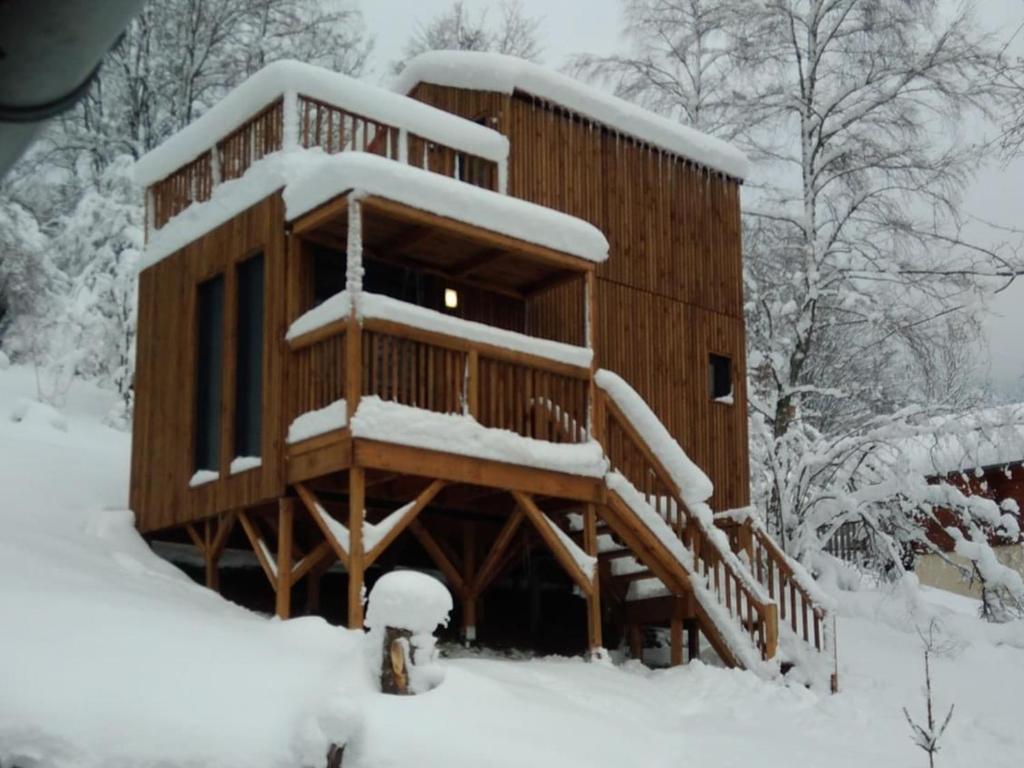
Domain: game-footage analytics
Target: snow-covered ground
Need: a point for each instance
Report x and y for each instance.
(111, 657)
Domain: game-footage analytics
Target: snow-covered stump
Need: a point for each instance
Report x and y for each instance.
(405, 607)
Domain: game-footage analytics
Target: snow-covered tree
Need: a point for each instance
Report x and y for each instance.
(70, 217)
(680, 62)
(514, 32)
(862, 284)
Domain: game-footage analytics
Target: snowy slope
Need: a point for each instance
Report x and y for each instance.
(110, 657)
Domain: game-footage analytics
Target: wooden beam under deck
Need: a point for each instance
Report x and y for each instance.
(457, 468)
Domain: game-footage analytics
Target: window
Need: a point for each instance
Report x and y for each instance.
(249, 358)
(209, 355)
(328, 274)
(720, 378)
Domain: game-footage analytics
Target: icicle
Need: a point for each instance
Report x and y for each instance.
(290, 120)
(354, 249)
(215, 173)
(503, 175)
(403, 146)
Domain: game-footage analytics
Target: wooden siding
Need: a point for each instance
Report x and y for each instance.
(672, 291)
(162, 437)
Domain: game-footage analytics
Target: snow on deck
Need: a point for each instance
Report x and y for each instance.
(481, 71)
(291, 77)
(311, 177)
(390, 422)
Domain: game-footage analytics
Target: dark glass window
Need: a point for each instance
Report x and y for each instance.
(249, 358)
(209, 361)
(719, 376)
(328, 274)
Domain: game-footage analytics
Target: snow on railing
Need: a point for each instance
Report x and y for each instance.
(288, 105)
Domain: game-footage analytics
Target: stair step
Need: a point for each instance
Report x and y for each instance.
(628, 567)
(614, 554)
(646, 589)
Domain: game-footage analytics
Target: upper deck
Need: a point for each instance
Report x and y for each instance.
(290, 105)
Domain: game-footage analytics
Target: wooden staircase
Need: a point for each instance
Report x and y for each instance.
(665, 561)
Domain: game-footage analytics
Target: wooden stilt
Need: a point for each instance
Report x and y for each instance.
(636, 642)
(313, 588)
(692, 641)
(285, 521)
(469, 573)
(594, 640)
(676, 633)
(218, 540)
(356, 512)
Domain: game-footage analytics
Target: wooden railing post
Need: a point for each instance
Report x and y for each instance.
(473, 383)
(771, 630)
(353, 364)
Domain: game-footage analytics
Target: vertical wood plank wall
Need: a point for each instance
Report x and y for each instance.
(672, 290)
(162, 432)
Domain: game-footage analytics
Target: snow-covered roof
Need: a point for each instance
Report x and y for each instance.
(287, 76)
(987, 437)
(311, 177)
(506, 74)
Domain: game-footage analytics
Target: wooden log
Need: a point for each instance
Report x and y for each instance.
(394, 673)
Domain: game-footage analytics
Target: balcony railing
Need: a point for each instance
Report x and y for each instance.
(320, 124)
(501, 388)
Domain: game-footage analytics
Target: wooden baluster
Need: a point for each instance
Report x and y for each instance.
(803, 610)
(792, 605)
(782, 595)
(817, 630)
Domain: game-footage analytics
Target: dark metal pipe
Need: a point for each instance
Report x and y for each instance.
(50, 50)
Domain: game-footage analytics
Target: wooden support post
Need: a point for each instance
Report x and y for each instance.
(636, 642)
(692, 640)
(356, 512)
(285, 521)
(216, 546)
(594, 640)
(468, 574)
(313, 579)
(745, 541)
(676, 633)
(210, 557)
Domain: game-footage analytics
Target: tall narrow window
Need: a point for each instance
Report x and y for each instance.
(249, 366)
(209, 361)
(720, 378)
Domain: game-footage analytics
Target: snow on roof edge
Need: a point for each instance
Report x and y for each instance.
(274, 80)
(476, 70)
(310, 177)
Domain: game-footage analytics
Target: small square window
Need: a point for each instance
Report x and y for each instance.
(720, 378)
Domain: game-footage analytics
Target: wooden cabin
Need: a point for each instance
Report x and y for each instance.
(494, 315)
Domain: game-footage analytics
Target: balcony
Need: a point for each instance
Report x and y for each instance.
(289, 105)
(417, 336)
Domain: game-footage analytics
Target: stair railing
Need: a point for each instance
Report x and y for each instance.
(727, 579)
(802, 604)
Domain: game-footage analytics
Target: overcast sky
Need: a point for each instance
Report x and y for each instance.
(572, 26)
